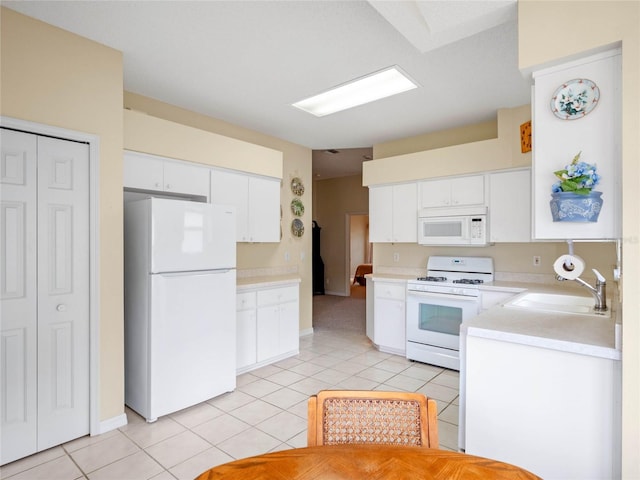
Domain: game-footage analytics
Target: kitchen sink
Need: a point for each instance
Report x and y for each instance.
(558, 303)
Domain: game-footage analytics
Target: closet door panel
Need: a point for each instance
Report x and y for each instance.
(18, 293)
(63, 295)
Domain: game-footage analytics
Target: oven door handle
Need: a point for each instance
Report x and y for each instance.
(447, 296)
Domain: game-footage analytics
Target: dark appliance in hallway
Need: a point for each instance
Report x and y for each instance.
(317, 263)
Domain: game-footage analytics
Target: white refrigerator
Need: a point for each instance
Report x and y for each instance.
(180, 321)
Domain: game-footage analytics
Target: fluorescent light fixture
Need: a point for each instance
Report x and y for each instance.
(375, 86)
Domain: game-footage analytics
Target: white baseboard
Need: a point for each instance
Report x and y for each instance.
(306, 331)
(111, 424)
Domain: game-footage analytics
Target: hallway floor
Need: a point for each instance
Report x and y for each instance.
(266, 412)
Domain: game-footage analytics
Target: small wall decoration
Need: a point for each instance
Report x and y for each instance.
(525, 137)
(573, 198)
(297, 187)
(297, 207)
(575, 99)
(297, 227)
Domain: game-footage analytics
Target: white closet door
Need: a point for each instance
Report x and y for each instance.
(44, 351)
(63, 291)
(18, 322)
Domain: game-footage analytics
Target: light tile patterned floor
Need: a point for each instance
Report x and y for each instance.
(266, 412)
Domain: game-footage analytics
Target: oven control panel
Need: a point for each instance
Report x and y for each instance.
(445, 289)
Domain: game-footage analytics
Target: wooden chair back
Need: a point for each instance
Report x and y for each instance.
(372, 417)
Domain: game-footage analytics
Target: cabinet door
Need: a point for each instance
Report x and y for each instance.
(435, 193)
(246, 335)
(467, 190)
(289, 327)
(389, 328)
(180, 177)
(405, 213)
(510, 206)
(268, 332)
(264, 209)
(231, 188)
(381, 214)
(143, 172)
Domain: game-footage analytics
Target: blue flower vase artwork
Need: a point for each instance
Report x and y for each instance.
(573, 198)
(575, 207)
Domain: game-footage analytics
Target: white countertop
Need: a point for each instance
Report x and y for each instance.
(582, 334)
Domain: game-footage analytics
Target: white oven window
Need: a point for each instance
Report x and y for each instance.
(439, 318)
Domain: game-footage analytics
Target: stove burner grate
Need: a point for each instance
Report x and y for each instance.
(469, 281)
(432, 279)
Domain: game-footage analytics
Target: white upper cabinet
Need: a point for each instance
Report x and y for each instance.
(393, 213)
(257, 202)
(510, 206)
(452, 192)
(556, 140)
(158, 174)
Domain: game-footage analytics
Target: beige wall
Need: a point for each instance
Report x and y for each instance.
(439, 139)
(153, 135)
(545, 37)
(447, 158)
(296, 163)
(53, 77)
(333, 200)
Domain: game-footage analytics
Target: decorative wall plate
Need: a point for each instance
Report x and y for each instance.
(575, 99)
(297, 227)
(297, 207)
(297, 187)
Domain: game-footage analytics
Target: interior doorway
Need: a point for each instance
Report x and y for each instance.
(359, 253)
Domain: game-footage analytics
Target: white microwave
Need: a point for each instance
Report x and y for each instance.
(453, 226)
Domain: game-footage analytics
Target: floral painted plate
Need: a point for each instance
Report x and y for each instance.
(297, 207)
(575, 99)
(297, 187)
(297, 227)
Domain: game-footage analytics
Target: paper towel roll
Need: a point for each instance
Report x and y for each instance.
(569, 266)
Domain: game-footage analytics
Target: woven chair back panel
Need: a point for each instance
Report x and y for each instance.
(388, 422)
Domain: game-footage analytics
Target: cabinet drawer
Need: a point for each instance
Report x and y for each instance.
(395, 291)
(277, 295)
(245, 301)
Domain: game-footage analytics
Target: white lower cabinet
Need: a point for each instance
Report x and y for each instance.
(246, 330)
(389, 322)
(554, 413)
(267, 326)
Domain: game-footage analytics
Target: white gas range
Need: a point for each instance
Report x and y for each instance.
(438, 304)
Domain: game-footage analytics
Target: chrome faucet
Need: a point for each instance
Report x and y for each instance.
(599, 292)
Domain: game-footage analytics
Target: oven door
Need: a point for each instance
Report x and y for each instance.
(435, 318)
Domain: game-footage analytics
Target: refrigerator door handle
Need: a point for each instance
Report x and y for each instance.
(192, 273)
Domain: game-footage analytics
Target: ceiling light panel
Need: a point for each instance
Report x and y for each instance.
(375, 86)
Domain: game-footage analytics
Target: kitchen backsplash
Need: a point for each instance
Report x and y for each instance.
(267, 271)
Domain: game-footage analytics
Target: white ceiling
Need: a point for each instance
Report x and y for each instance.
(246, 62)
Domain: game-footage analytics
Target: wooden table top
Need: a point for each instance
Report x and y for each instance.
(365, 462)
